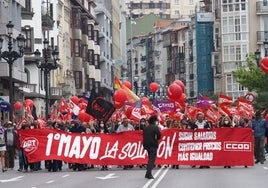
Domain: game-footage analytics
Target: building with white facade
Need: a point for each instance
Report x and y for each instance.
(11, 11)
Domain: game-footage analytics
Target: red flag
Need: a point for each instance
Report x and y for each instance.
(245, 108)
(212, 115)
(224, 100)
(63, 106)
(191, 111)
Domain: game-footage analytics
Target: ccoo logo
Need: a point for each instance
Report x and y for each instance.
(237, 146)
(30, 145)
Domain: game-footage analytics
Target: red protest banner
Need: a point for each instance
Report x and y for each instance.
(215, 147)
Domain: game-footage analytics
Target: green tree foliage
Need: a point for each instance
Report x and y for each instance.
(251, 76)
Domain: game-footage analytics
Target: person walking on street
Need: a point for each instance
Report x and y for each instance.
(259, 126)
(151, 135)
(2, 147)
(10, 137)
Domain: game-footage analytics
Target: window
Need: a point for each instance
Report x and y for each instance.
(232, 53)
(90, 28)
(177, 2)
(238, 53)
(229, 83)
(76, 18)
(28, 6)
(225, 54)
(84, 26)
(224, 8)
(237, 28)
(224, 25)
(77, 48)
(236, 7)
(78, 79)
(29, 41)
(177, 12)
(96, 37)
(191, 2)
(97, 61)
(84, 52)
(91, 57)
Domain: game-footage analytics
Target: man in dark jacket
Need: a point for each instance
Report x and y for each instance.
(151, 135)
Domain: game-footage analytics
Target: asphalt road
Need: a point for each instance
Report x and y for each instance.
(166, 177)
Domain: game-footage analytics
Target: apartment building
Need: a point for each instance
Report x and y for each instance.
(164, 9)
(11, 11)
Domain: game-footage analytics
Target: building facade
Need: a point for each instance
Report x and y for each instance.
(11, 11)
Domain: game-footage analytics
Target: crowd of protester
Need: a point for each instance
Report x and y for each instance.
(12, 147)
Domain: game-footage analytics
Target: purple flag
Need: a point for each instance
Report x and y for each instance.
(164, 106)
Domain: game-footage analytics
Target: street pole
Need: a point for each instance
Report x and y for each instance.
(46, 66)
(46, 73)
(10, 57)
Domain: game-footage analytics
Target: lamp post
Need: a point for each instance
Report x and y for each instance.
(47, 64)
(258, 57)
(136, 79)
(10, 56)
(265, 44)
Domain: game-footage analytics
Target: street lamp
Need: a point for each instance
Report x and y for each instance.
(10, 56)
(258, 56)
(265, 44)
(136, 79)
(46, 66)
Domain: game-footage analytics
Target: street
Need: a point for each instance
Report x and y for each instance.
(184, 177)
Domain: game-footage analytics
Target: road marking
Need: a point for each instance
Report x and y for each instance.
(265, 168)
(151, 180)
(51, 181)
(66, 175)
(109, 176)
(160, 178)
(12, 179)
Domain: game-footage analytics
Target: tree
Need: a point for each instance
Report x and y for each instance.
(251, 76)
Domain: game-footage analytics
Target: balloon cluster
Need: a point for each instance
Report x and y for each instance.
(175, 91)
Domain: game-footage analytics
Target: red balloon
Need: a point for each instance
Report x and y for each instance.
(266, 118)
(127, 84)
(182, 97)
(120, 96)
(264, 64)
(28, 103)
(118, 105)
(154, 86)
(181, 84)
(84, 117)
(145, 101)
(174, 91)
(17, 105)
(75, 99)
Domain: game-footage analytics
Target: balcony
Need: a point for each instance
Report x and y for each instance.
(31, 88)
(17, 75)
(262, 36)
(27, 13)
(47, 22)
(55, 92)
(262, 7)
